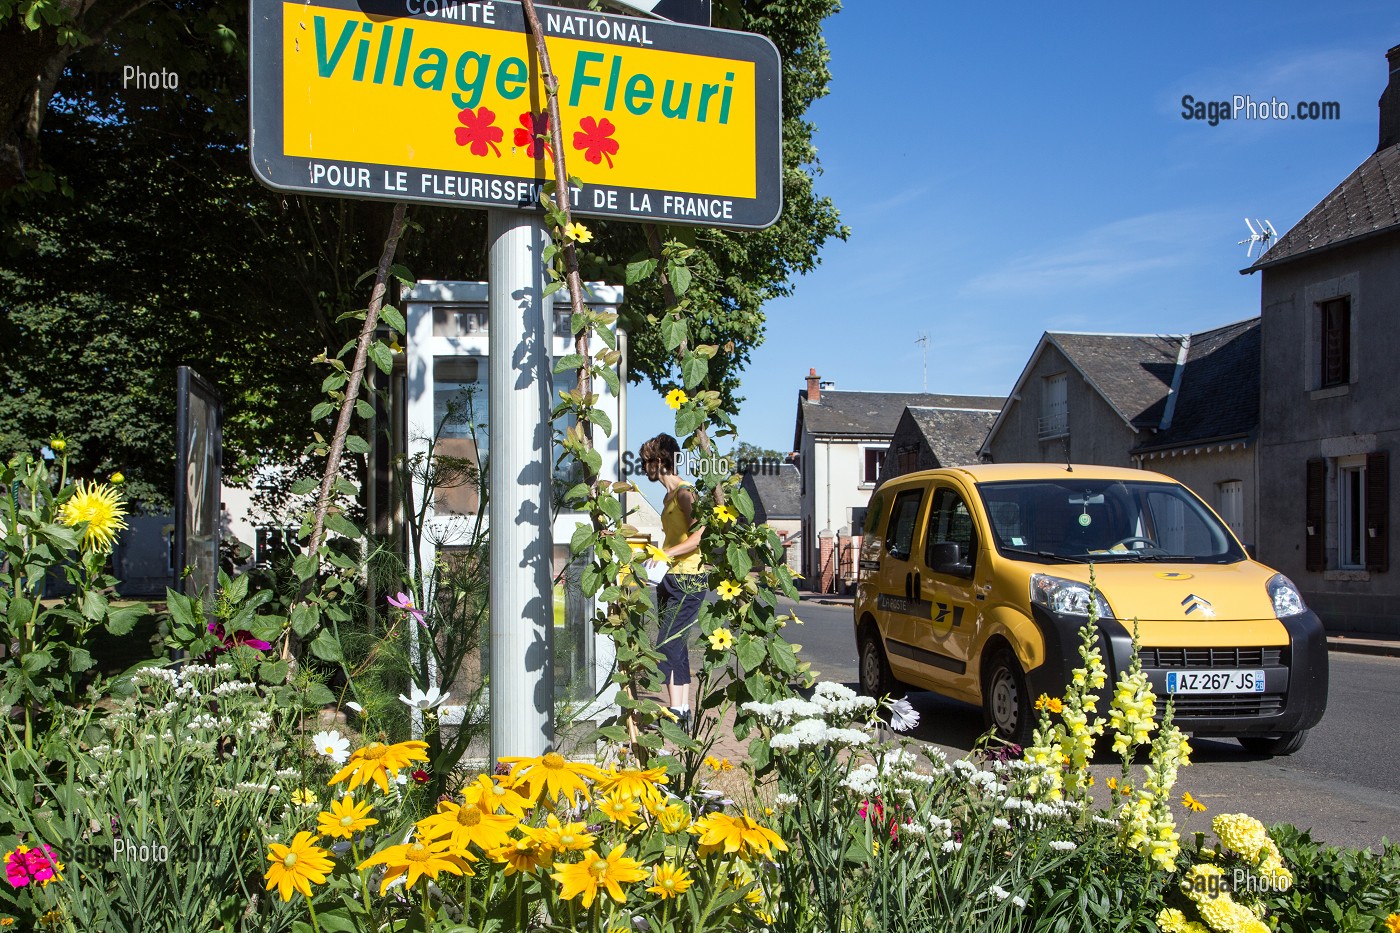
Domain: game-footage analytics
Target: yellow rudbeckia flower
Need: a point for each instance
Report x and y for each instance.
(345, 818)
(595, 871)
(419, 859)
(668, 881)
(551, 774)
(297, 866)
(375, 760)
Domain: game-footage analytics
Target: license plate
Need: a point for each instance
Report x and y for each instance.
(1215, 681)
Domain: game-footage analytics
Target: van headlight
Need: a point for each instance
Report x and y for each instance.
(1287, 600)
(1067, 597)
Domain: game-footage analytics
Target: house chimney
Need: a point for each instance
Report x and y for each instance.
(1390, 103)
(814, 386)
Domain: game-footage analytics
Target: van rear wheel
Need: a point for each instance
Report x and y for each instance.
(1285, 743)
(876, 678)
(1006, 699)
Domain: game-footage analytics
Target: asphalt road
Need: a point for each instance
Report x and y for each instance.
(1344, 784)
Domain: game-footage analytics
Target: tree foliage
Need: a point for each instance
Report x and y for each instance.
(151, 244)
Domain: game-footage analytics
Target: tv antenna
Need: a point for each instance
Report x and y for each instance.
(923, 342)
(1261, 234)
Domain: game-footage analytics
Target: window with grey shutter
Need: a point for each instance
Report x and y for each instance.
(1315, 511)
(1378, 511)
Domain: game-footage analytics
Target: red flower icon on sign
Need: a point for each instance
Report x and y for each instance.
(477, 130)
(532, 138)
(595, 139)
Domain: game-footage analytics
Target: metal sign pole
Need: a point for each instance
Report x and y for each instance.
(519, 457)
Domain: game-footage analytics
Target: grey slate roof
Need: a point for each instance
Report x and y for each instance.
(775, 495)
(953, 435)
(1367, 202)
(1133, 372)
(872, 414)
(1219, 394)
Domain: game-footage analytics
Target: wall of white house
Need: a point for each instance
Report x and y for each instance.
(834, 489)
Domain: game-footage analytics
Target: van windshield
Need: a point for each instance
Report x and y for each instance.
(1075, 520)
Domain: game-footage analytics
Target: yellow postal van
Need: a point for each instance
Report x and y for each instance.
(974, 582)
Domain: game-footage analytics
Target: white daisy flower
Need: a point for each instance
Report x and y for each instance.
(420, 700)
(333, 745)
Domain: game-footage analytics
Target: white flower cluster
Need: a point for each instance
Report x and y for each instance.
(188, 691)
(155, 675)
(785, 800)
(190, 671)
(210, 721)
(969, 772)
(1062, 845)
(231, 687)
(816, 733)
(840, 700)
(248, 787)
(783, 712)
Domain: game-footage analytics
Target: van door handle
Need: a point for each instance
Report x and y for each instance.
(908, 586)
(918, 585)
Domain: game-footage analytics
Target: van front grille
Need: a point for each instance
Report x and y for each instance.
(1209, 705)
(1229, 658)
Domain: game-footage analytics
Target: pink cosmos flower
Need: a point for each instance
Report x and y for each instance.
(405, 602)
(237, 638)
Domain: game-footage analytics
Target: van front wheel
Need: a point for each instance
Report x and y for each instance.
(1006, 699)
(876, 678)
(1283, 744)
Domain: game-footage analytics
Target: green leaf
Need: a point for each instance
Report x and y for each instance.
(382, 357)
(553, 287)
(750, 651)
(641, 269)
(356, 444)
(306, 484)
(36, 661)
(609, 376)
(321, 410)
(364, 409)
(760, 754)
(601, 419)
(570, 361)
(694, 369)
(583, 539)
(593, 460)
(390, 315)
(342, 526)
(79, 660)
(304, 566)
(673, 331)
(326, 646)
(591, 580)
(739, 498)
(739, 561)
(319, 695)
(785, 581)
(782, 654)
(305, 619)
(273, 672)
(21, 611)
(680, 278)
(688, 418)
(121, 620)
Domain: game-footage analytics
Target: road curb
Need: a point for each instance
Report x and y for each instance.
(1371, 646)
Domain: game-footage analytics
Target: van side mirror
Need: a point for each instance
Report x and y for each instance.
(944, 557)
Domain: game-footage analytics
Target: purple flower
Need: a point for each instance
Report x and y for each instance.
(405, 602)
(241, 637)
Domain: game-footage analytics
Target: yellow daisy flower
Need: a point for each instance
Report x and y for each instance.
(561, 837)
(673, 818)
(642, 784)
(724, 513)
(718, 764)
(551, 774)
(728, 589)
(466, 825)
(493, 796)
(101, 507)
(720, 832)
(419, 859)
(721, 638)
(345, 818)
(1191, 803)
(596, 871)
(1053, 704)
(620, 808)
(303, 797)
(676, 398)
(578, 233)
(1392, 923)
(297, 866)
(522, 856)
(668, 881)
(375, 760)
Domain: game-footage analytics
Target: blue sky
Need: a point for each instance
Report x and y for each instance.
(1007, 170)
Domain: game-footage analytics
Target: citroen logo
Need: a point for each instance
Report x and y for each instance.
(1195, 604)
